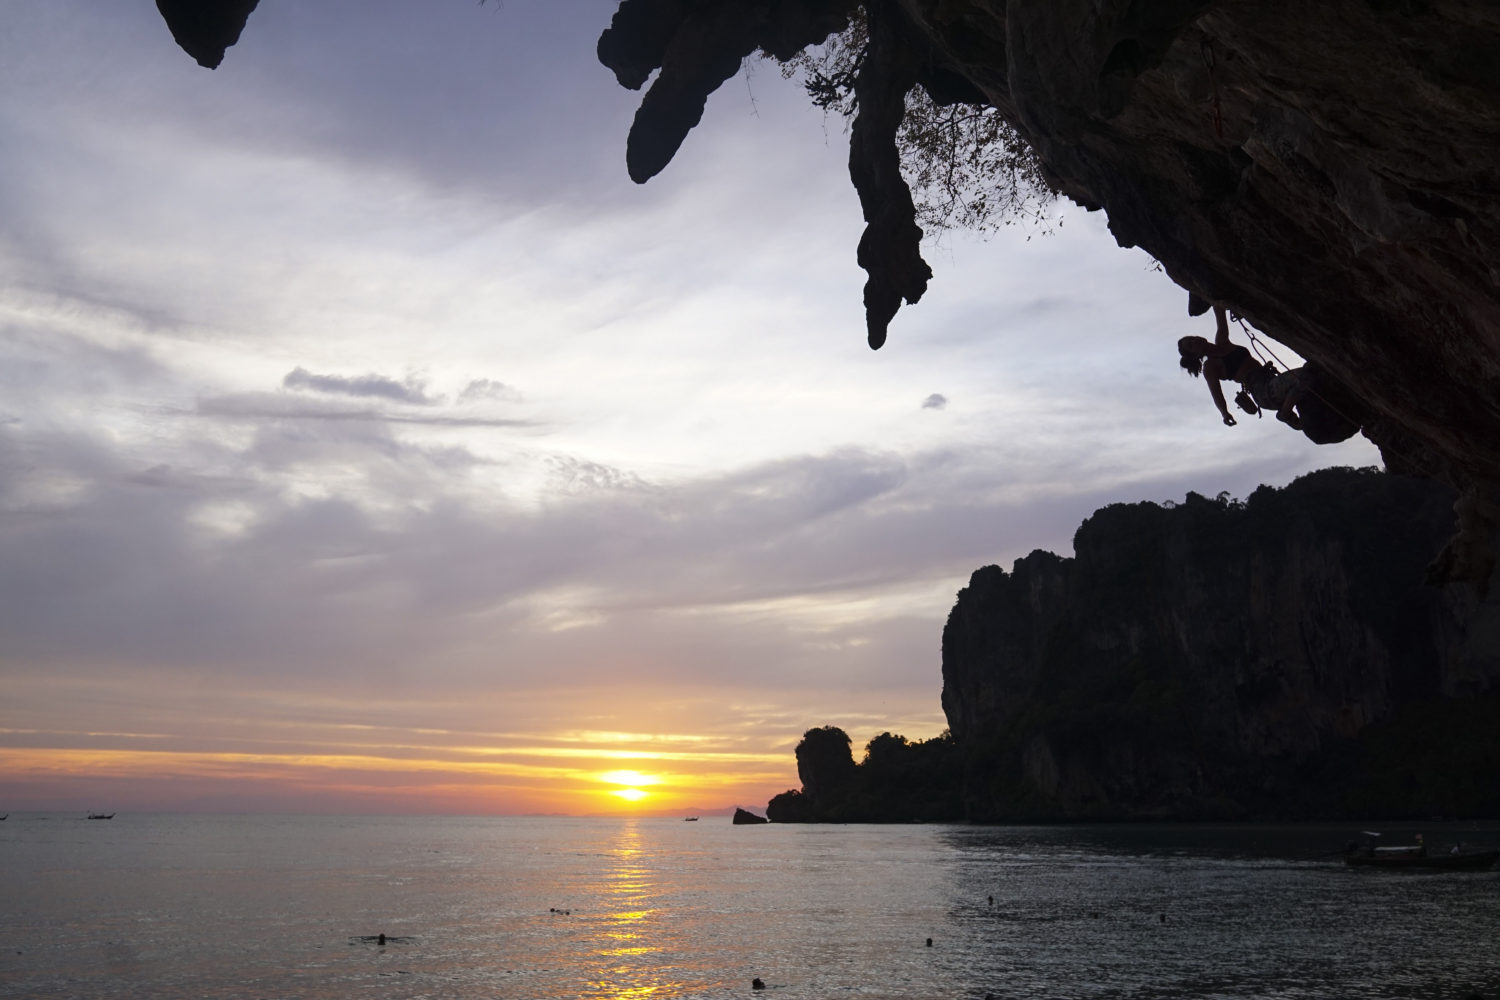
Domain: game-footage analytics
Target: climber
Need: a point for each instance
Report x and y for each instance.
(1221, 361)
(1301, 398)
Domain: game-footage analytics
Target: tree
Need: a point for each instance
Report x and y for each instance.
(966, 165)
(886, 754)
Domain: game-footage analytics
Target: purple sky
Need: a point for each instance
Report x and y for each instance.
(368, 440)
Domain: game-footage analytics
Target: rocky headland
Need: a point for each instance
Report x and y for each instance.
(1271, 658)
(898, 781)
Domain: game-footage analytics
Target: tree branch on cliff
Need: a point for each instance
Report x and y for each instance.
(967, 166)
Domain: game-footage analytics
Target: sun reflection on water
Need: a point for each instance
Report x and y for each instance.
(634, 964)
(629, 992)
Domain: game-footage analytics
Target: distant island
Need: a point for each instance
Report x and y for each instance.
(1276, 658)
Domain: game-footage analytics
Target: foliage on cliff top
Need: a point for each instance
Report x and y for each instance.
(899, 781)
(967, 166)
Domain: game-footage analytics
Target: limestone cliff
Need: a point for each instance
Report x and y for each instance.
(1327, 170)
(1277, 657)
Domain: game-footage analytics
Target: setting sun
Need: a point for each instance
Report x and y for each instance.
(632, 780)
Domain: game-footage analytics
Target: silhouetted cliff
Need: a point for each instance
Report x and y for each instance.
(1216, 659)
(1327, 170)
(897, 782)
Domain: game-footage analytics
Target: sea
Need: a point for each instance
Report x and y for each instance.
(294, 906)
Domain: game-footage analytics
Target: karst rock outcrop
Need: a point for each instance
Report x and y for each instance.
(1326, 170)
(1276, 658)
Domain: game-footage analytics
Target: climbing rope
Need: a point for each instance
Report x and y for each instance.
(1256, 345)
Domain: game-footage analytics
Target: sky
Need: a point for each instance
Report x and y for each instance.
(370, 443)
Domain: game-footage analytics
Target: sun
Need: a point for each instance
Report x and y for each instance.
(632, 782)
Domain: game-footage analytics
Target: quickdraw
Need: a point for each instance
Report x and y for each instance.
(1210, 60)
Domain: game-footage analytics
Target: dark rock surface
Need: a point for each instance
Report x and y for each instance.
(205, 28)
(1328, 171)
(897, 782)
(1276, 658)
(743, 817)
(825, 765)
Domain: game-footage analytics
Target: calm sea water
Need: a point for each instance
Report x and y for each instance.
(272, 907)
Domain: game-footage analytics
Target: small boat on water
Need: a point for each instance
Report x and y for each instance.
(1414, 857)
(1476, 861)
(689, 819)
(101, 815)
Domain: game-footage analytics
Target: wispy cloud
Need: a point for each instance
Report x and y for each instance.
(484, 388)
(410, 390)
(270, 406)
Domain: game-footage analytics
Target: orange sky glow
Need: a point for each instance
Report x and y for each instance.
(441, 782)
(255, 764)
(447, 779)
(137, 742)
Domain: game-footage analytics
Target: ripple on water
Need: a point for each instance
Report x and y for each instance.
(221, 907)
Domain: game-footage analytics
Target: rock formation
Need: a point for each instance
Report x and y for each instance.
(898, 781)
(1326, 170)
(1273, 659)
(744, 817)
(824, 764)
(1276, 658)
(205, 28)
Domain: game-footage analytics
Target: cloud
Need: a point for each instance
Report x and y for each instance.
(268, 406)
(574, 476)
(484, 388)
(726, 512)
(812, 573)
(409, 391)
